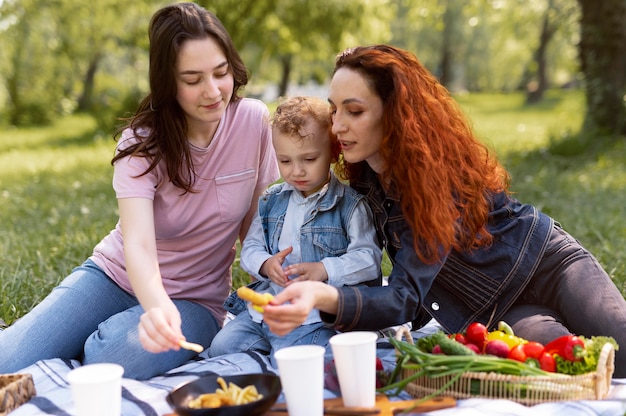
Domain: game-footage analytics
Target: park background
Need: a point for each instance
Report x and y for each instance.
(544, 82)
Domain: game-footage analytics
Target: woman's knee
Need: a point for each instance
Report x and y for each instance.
(535, 323)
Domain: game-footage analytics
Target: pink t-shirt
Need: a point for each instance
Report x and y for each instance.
(196, 232)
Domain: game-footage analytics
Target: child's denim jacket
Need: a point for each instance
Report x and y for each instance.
(323, 232)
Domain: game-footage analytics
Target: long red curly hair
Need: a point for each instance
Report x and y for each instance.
(444, 174)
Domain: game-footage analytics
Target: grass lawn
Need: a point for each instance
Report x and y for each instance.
(57, 201)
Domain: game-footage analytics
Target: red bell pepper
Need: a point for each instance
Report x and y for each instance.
(569, 347)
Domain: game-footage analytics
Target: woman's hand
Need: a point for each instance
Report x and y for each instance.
(290, 308)
(160, 329)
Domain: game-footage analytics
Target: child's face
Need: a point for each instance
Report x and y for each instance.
(304, 162)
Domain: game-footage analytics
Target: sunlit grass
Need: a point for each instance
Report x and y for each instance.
(57, 201)
(507, 125)
(584, 191)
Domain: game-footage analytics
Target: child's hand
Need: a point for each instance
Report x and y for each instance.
(306, 271)
(273, 267)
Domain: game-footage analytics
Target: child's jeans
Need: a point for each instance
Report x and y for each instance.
(243, 334)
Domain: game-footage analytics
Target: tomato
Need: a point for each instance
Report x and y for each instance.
(476, 333)
(547, 362)
(460, 338)
(533, 349)
(517, 353)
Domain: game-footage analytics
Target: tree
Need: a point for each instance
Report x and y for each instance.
(603, 62)
(30, 76)
(535, 90)
(452, 36)
(54, 52)
(290, 38)
(556, 18)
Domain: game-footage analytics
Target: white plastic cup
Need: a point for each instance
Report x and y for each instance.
(355, 361)
(97, 389)
(301, 370)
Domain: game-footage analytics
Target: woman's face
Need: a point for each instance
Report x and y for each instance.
(357, 113)
(204, 83)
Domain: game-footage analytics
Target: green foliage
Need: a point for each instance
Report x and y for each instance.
(83, 45)
(113, 102)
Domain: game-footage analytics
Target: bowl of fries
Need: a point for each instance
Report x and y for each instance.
(243, 394)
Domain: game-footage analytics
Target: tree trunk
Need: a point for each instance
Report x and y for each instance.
(86, 98)
(285, 63)
(603, 62)
(446, 77)
(536, 90)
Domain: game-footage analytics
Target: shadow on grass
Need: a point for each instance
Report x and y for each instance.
(580, 183)
(73, 131)
(514, 103)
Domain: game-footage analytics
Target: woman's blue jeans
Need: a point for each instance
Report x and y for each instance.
(571, 294)
(90, 318)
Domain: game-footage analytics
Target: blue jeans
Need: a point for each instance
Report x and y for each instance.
(570, 294)
(88, 317)
(243, 334)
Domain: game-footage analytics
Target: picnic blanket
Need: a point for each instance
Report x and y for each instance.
(149, 397)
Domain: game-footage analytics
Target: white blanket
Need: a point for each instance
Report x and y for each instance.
(148, 398)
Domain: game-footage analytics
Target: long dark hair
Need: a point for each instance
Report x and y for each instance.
(159, 123)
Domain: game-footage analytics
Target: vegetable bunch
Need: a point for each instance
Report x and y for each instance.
(569, 354)
(458, 360)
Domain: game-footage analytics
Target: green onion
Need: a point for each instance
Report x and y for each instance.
(410, 357)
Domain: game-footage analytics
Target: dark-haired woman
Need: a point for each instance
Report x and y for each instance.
(188, 170)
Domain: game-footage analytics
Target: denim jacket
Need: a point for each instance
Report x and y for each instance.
(325, 233)
(463, 287)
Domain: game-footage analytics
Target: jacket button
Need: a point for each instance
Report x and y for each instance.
(435, 306)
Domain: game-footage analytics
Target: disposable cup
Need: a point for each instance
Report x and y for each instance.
(301, 370)
(355, 360)
(97, 389)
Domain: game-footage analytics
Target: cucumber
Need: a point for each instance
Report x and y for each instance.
(449, 346)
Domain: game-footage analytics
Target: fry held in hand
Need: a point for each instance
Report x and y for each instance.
(191, 346)
(258, 300)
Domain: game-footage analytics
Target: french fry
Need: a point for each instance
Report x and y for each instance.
(258, 300)
(226, 395)
(191, 346)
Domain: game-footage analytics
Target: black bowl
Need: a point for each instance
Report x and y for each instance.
(266, 384)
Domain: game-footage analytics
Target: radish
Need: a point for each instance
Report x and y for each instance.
(498, 348)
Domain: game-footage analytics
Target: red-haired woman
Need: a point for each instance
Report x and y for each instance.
(462, 248)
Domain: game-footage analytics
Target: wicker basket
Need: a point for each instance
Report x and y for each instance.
(15, 390)
(527, 390)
